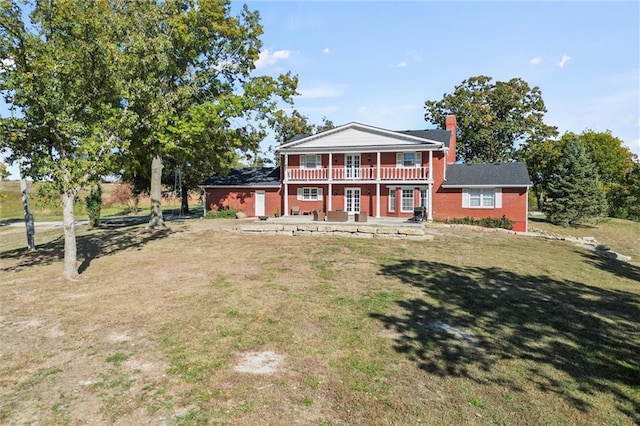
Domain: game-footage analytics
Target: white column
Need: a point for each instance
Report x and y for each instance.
(330, 195)
(378, 184)
(286, 186)
(429, 198)
(431, 165)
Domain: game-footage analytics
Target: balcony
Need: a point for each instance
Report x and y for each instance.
(347, 174)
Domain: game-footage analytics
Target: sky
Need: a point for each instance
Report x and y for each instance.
(377, 63)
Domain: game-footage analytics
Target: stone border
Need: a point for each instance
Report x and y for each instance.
(351, 231)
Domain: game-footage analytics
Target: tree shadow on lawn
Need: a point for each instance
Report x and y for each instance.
(106, 240)
(616, 267)
(474, 316)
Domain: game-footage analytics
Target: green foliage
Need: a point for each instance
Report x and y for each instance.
(4, 173)
(93, 202)
(625, 198)
(487, 222)
(222, 214)
(493, 117)
(575, 190)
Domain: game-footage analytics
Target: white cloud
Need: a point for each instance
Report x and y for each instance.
(268, 57)
(415, 56)
(536, 60)
(564, 60)
(402, 64)
(321, 91)
(325, 50)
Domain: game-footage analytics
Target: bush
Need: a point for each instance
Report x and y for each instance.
(221, 214)
(488, 222)
(94, 205)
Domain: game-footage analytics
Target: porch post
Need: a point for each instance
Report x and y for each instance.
(286, 186)
(378, 184)
(431, 165)
(330, 197)
(429, 198)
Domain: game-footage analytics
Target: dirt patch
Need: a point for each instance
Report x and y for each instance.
(267, 362)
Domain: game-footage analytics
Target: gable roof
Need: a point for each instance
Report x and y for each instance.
(246, 177)
(356, 136)
(487, 174)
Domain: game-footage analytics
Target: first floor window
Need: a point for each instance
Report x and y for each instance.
(407, 200)
(392, 199)
(486, 198)
(309, 194)
(423, 198)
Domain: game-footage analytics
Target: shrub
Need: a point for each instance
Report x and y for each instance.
(94, 205)
(487, 222)
(225, 213)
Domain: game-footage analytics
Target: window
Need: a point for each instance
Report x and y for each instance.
(309, 194)
(423, 198)
(407, 200)
(310, 161)
(392, 199)
(408, 159)
(482, 198)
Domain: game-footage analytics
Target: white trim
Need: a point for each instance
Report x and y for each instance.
(445, 185)
(347, 189)
(300, 196)
(392, 190)
(413, 199)
(263, 204)
(497, 198)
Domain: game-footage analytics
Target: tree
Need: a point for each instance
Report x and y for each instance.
(4, 173)
(189, 64)
(494, 118)
(288, 126)
(575, 189)
(541, 158)
(626, 200)
(60, 79)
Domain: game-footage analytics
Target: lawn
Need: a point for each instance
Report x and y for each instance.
(472, 328)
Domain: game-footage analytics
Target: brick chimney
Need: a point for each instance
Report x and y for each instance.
(451, 124)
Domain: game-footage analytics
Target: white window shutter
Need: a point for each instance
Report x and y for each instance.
(418, 159)
(300, 194)
(465, 198)
(399, 159)
(318, 161)
(320, 194)
(302, 161)
(497, 198)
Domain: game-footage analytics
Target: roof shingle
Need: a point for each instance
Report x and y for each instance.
(487, 174)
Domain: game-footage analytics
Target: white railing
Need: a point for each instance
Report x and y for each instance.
(358, 174)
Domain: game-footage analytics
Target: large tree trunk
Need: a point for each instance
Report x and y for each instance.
(184, 195)
(70, 249)
(156, 220)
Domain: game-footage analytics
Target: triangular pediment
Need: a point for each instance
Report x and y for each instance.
(357, 136)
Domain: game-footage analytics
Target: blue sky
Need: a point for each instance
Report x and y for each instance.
(378, 62)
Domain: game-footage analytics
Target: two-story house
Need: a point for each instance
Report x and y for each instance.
(359, 168)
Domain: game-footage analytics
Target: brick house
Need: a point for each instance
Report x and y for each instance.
(359, 168)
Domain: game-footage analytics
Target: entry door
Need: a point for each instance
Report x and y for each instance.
(259, 203)
(352, 164)
(352, 200)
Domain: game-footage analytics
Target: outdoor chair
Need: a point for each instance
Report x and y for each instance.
(318, 215)
(419, 214)
(295, 210)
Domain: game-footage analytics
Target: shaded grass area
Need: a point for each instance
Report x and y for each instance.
(574, 337)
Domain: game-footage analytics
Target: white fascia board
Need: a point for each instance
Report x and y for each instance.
(273, 185)
(360, 149)
(403, 139)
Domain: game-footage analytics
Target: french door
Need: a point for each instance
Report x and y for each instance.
(352, 166)
(352, 200)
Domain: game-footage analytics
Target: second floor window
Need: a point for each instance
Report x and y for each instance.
(408, 159)
(310, 161)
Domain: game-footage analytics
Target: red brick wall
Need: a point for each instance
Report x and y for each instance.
(447, 204)
(243, 200)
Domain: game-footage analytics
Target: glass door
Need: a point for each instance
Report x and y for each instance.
(352, 165)
(352, 200)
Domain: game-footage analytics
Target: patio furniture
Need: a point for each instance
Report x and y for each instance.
(337, 216)
(295, 210)
(318, 215)
(419, 214)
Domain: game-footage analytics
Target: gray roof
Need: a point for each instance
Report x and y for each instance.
(437, 135)
(246, 177)
(487, 174)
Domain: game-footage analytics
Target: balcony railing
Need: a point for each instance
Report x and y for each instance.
(342, 174)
